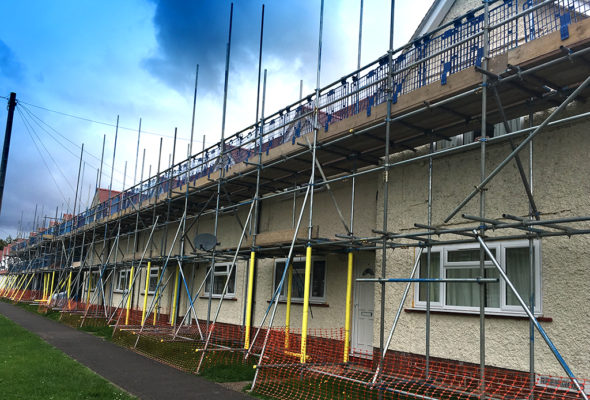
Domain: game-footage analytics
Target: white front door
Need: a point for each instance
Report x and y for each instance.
(363, 309)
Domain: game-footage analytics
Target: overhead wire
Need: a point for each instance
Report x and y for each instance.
(25, 123)
(104, 123)
(39, 121)
(50, 155)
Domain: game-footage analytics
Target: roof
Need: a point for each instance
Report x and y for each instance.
(433, 17)
(103, 194)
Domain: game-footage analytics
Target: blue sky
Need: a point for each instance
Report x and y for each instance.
(137, 59)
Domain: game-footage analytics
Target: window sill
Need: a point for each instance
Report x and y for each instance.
(476, 314)
(218, 297)
(300, 303)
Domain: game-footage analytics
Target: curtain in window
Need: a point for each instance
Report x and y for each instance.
(467, 294)
(518, 269)
(434, 273)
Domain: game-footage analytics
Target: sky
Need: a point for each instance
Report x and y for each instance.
(77, 66)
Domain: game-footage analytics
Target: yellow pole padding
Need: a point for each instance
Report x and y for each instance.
(145, 294)
(305, 304)
(157, 300)
(129, 295)
(88, 289)
(19, 284)
(20, 287)
(348, 319)
(249, 299)
(69, 288)
(51, 290)
(288, 313)
(45, 282)
(174, 298)
(10, 284)
(25, 288)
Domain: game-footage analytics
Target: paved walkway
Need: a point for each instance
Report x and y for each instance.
(138, 375)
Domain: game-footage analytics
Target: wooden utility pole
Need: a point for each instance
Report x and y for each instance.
(6, 148)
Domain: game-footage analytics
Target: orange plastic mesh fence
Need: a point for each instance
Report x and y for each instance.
(325, 375)
(184, 348)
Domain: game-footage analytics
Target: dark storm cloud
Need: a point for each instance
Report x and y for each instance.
(10, 67)
(191, 32)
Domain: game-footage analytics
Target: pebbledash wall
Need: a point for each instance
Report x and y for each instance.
(561, 189)
(560, 165)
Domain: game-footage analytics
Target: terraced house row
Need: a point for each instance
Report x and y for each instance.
(417, 228)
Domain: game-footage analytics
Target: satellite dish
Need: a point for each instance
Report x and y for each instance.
(205, 241)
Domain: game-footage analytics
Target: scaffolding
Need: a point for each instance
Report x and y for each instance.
(503, 60)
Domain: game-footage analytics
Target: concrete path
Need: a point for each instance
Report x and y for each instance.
(138, 375)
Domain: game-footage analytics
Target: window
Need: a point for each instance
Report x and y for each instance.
(154, 277)
(317, 284)
(491, 131)
(463, 262)
(220, 274)
(122, 280)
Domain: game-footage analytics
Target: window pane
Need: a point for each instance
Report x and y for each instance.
(221, 268)
(280, 268)
(122, 282)
(208, 281)
(218, 283)
(434, 273)
(318, 279)
(298, 283)
(518, 269)
(153, 280)
(231, 288)
(467, 255)
(467, 294)
(219, 280)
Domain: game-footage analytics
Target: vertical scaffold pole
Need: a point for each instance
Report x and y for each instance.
(220, 160)
(350, 270)
(69, 289)
(89, 286)
(129, 295)
(157, 301)
(175, 297)
(288, 312)
(250, 293)
(259, 125)
(428, 262)
(348, 318)
(308, 252)
(386, 176)
(145, 293)
(51, 290)
(532, 276)
(482, 201)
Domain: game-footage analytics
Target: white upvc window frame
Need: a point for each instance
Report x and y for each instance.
(500, 252)
(154, 273)
(125, 289)
(231, 292)
(300, 261)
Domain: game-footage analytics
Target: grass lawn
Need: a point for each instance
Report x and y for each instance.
(32, 369)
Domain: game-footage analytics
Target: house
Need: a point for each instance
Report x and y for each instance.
(212, 255)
